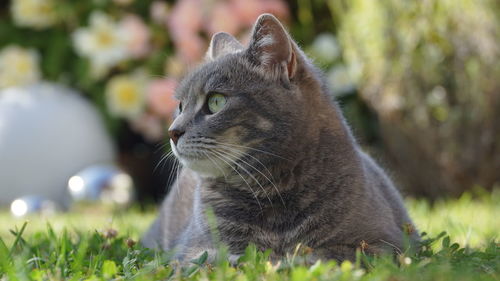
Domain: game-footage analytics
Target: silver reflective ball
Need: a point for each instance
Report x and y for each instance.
(32, 204)
(104, 183)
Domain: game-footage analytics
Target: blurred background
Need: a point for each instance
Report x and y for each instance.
(86, 90)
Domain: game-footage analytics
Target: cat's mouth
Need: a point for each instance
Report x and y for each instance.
(201, 161)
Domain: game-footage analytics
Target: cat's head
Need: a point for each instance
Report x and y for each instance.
(244, 103)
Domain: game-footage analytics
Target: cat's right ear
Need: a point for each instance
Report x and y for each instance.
(221, 44)
(272, 49)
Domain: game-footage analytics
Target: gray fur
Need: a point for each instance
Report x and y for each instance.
(222, 43)
(289, 172)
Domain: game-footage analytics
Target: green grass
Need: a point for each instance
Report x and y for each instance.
(81, 245)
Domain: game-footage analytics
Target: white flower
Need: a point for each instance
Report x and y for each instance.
(38, 14)
(104, 42)
(325, 48)
(340, 80)
(18, 66)
(125, 95)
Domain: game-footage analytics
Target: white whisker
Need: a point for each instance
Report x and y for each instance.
(226, 155)
(249, 155)
(250, 148)
(178, 172)
(173, 170)
(253, 192)
(163, 158)
(215, 163)
(253, 167)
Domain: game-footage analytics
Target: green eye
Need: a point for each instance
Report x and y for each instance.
(216, 102)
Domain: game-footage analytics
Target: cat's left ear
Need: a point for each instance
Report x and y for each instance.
(272, 49)
(222, 44)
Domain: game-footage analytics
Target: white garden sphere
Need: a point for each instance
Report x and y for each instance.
(47, 134)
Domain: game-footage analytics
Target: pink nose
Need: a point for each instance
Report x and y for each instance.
(175, 135)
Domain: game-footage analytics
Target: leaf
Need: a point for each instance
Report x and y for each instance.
(37, 275)
(5, 258)
(300, 273)
(454, 246)
(200, 261)
(109, 269)
(446, 242)
(18, 235)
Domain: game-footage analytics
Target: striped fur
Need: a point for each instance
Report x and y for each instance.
(277, 165)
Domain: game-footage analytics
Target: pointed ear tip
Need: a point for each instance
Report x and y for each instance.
(267, 17)
(220, 35)
(222, 43)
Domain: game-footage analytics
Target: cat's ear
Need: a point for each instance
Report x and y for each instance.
(272, 48)
(221, 44)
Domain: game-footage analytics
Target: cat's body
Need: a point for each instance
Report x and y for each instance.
(277, 164)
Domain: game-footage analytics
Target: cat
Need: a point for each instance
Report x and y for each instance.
(264, 148)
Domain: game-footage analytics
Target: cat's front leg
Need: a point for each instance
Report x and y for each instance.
(339, 253)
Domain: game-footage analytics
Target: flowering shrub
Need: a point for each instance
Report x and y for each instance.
(104, 42)
(126, 56)
(430, 69)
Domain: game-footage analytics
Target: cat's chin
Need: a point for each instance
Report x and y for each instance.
(203, 167)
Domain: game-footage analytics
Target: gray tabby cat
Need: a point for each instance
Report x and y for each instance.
(264, 147)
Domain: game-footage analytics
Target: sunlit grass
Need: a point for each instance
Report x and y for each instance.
(470, 222)
(78, 245)
(82, 218)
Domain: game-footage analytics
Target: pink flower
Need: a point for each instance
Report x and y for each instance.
(184, 23)
(158, 12)
(276, 7)
(189, 17)
(223, 18)
(160, 97)
(149, 126)
(190, 47)
(248, 10)
(139, 35)
(185, 17)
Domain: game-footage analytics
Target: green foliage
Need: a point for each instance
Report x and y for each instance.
(430, 70)
(79, 254)
(93, 256)
(470, 220)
